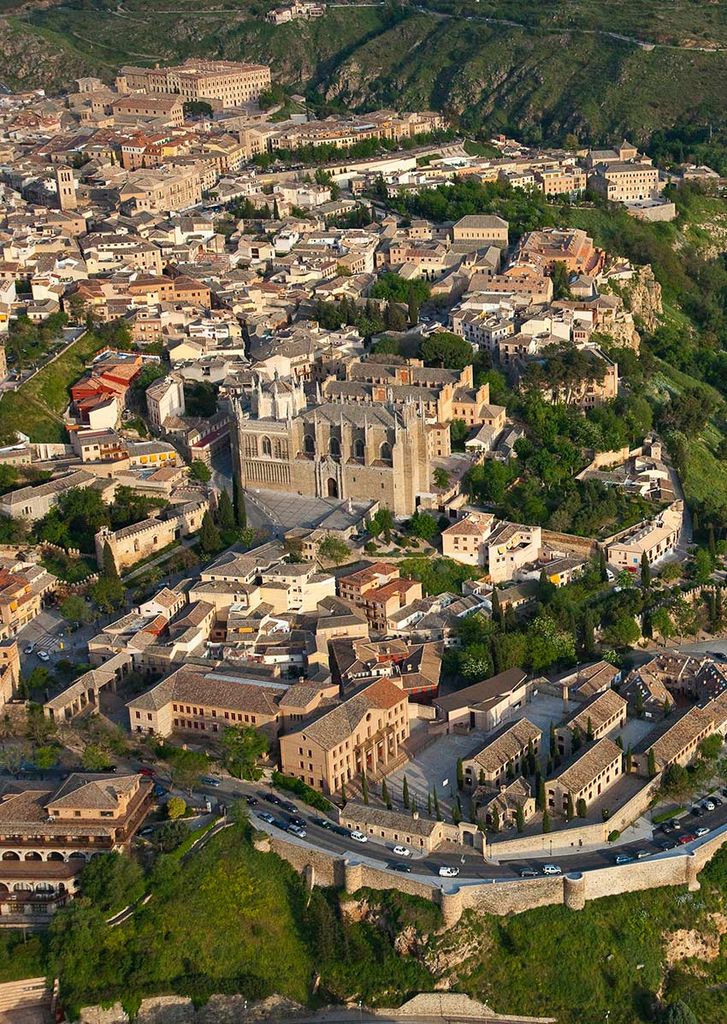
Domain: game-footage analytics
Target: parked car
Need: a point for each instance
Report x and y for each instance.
(641, 854)
(551, 869)
(146, 831)
(697, 811)
(701, 831)
(399, 866)
(146, 771)
(44, 656)
(340, 830)
(272, 799)
(251, 801)
(402, 851)
(359, 836)
(688, 837)
(709, 805)
(528, 873)
(448, 872)
(295, 820)
(159, 790)
(665, 844)
(29, 649)
(322, 823)
(288, 806)
(297, 830)
(210, 780)
(623, 858)
(266, 816)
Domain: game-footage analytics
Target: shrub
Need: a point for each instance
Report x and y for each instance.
(613, 836)
(302, 791)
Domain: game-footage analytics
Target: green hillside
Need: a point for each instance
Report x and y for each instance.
(534, 69)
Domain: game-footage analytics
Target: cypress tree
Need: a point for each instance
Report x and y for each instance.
(209, 536)
(385, 795)
(711, 543)
(645, 571)
(602, 565)
(364, 788)
(589, 729)
(225, 512)
(435, 804)
(343, 794)
(589, 642)
(238, 501)
(539, 793)
(546, 821)
(405, 793)
(429, 804)
(651, 763)
(569, 811)
(460, 773)
(495, 819)
(496, 609)
(109, 563)
(520, 818)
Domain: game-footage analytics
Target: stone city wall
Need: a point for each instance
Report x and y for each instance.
(503, 897)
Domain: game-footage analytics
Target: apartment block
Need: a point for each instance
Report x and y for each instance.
(504, 757)
(602, 714)
(656, 539)
(220, 83)
(362, 734)
(593, 772)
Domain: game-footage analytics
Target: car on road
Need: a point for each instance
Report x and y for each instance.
(44, 656)
(358, 836)
(670, 826)
(399, 866)
(159, 790)
(641, 854)
(697, 811)
(322, 823)
(447, 871)
(295, 820)
(146, 771)
(701, 831)
(623, 858)
(688, 837)
(266, 816)
(551, 869)
(272, 799)
(297, 830)
(288, 806)
(251, 801)
(340, 830)
(709, 805)
(665, 844)
(210, 780)
(528, 873)
(282, 825)
(402, 851)
(29, 649)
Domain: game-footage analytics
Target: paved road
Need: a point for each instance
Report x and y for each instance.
(472, 867)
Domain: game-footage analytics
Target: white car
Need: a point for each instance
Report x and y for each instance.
(701, 831)
(44, 656)
(447, 872)
(296, 830)
(359, 837)
(551, 869)
(402, 851)
(709, 805)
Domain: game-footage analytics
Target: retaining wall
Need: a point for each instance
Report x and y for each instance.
(515, 896)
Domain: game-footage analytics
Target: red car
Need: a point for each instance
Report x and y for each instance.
(688, 838)
(147, 771)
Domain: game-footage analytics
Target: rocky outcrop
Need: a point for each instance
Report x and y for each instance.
(643, 298)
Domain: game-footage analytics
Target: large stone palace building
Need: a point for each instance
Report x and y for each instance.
(339, 450)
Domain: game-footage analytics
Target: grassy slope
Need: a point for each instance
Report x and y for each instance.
(550, 75)
(36, 407)
(232, 919)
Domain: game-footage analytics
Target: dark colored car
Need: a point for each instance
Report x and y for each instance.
(340, 830)
(159, 790)
(295, 820)
(322, 823)
(697, 811)
(251, 801)
(288, 806)
(272, 799)
(400, 866)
